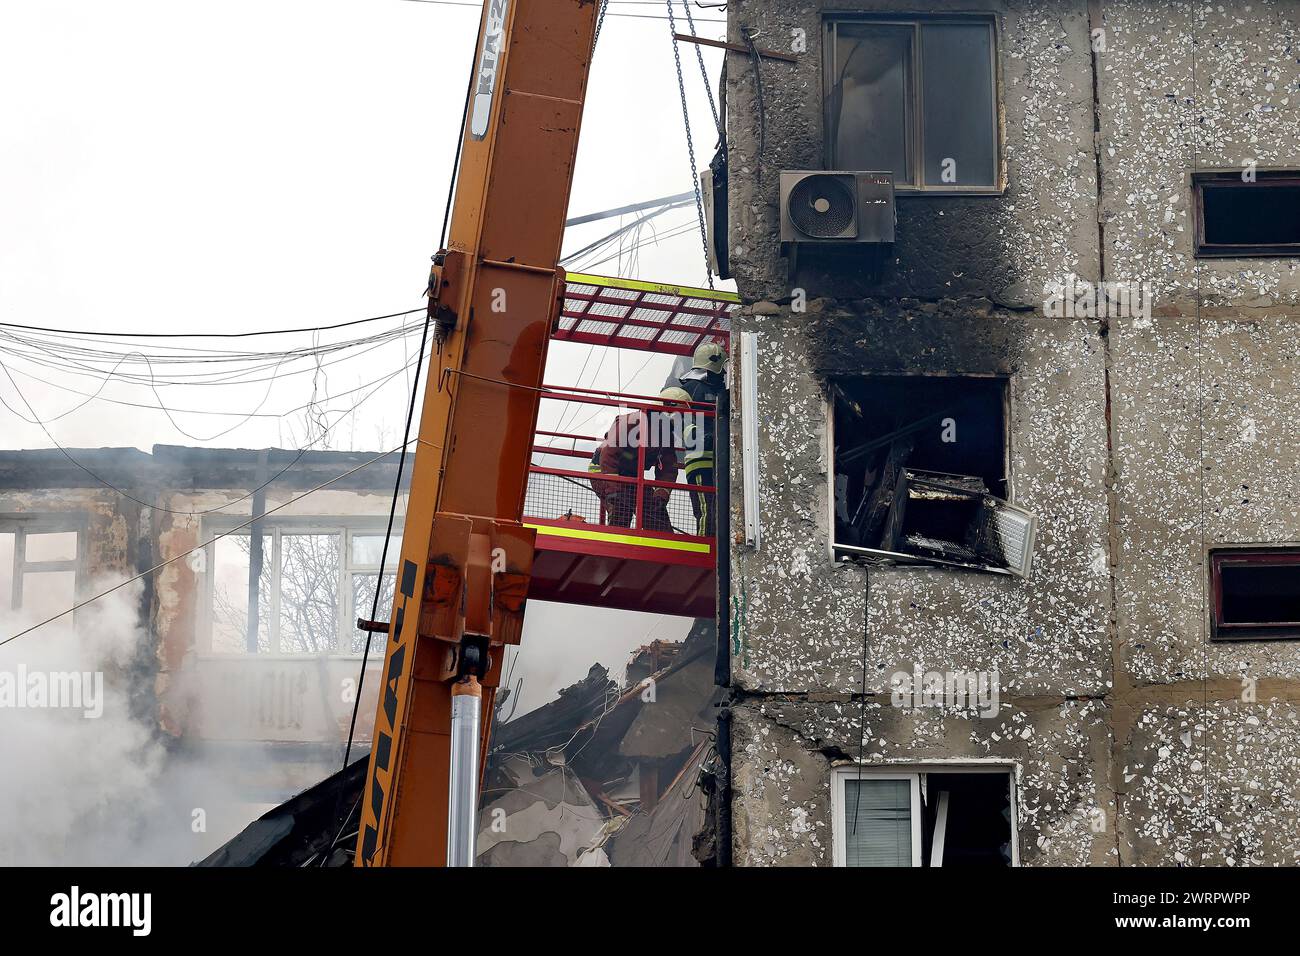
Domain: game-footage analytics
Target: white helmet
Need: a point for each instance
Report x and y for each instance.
(710, 356)
(674, 394)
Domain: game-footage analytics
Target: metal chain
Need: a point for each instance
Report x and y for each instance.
(690, 145)
(600, 22)
(699, 55)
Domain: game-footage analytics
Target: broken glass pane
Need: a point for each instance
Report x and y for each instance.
(47, 593)
(363, 602)
(368, 548)
(230, 595)
(310, 565)
(54, 546)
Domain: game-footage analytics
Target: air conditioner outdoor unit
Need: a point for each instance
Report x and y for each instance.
(837, 207)
(843, 220)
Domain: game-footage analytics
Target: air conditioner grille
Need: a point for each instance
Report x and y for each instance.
(823, 207)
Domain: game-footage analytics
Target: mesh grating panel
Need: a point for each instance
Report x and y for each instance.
(649, 315)
(561, 497)
(637, 332)
(701, 316)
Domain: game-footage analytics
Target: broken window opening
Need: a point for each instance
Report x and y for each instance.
(315, 582)
(40, 558)
(960, 816)
(914, 97)
(1256, 594)
(921, 473)
(1247, 218)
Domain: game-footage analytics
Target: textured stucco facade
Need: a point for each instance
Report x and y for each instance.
(1140, 444)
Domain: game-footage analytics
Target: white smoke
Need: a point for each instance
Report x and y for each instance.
(78, 790)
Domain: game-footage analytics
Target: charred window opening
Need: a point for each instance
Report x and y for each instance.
(1256, 594)
(920, 465)
(1259, 216)
(967, 819)
(958, 817)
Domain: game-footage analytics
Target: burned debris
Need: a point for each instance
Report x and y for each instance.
(603, 775)
(921, 473)
(607, 775)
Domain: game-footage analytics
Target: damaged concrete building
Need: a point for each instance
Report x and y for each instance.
(246, 660)
(258, 678)
(1015, 563)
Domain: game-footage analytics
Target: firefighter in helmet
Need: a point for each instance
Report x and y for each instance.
(618, 455)
(703, 383)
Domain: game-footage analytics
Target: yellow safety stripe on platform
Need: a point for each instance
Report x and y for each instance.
(686, 291)
(698, 547)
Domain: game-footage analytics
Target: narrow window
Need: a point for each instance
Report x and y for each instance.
(916, 98)
(1247, 218)
(241, 625)
(920, 473)
(1256, 594)
(363, 567)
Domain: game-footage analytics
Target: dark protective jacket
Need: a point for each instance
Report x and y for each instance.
(703, 386)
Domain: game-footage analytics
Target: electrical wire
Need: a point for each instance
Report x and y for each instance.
(208, 335)
(610, 237)
(635, 248)
(184, 554)
(635, 16)
(671, 234)
(154, 507)
(633, 229)
(383, 555)
(125, 339)
(96, 396)
(67, 358)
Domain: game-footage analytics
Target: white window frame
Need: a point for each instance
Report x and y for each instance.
(346, 528)
(917, 774)
(839, 806)
(20, 526)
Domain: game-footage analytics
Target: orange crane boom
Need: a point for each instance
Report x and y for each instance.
(495, 292)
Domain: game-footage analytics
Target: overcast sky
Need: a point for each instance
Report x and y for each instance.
(186, 166)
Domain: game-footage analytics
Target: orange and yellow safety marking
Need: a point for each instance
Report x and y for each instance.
(611, 537)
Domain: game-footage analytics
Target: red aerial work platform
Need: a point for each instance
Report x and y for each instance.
(581, 558)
